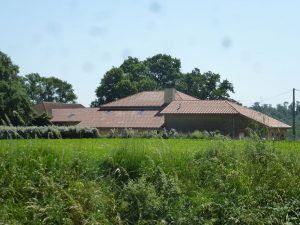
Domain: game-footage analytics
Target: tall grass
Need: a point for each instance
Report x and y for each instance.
(113, 181)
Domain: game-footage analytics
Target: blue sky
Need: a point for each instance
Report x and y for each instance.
(254, 44)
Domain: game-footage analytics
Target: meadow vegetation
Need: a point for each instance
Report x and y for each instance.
(149, 181)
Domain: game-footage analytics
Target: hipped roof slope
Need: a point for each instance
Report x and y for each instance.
(92, 117)
(145, 99)
(259, 117)
(219, 107)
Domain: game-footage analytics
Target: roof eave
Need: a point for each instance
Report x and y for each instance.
(200, 114)
(155, 127)
(282, 127)
(106, 108)
(65, 121)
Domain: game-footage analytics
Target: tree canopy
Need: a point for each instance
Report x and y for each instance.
(8, 70)
(48, 89)
(156, 73)
(205, 86)
(18, 93)
(15, 107)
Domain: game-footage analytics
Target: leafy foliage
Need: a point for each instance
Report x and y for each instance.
(8, 70)
(15, 107)
(17, 119)
(14, 103)
(205, 86)
(48, 89)
(16, 93)
(156, 73)
(164, 69)
(41, 120)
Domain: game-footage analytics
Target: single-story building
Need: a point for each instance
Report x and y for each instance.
(169, 109)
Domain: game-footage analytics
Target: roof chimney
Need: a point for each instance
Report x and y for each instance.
(169, 95)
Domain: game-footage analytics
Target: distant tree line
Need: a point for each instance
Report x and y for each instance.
(282, 112)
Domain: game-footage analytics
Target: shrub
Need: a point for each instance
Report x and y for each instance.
(154, 198)
(173, 133)
(150, 134)
(41, 120)
(8, 132)
(17, 119)
(129, 133)
(133, 133)
(199, 135)
(7, 120)
(113, 133)
(54, 132)
(48, 132)
(208, 135)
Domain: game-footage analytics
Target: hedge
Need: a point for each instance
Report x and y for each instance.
(57, 132)
(49, 132)
(163, 133)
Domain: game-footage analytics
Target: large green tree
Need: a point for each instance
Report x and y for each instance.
(15, 107)
(48, 89)
(204, 85)
(156, 73)
(164, 69)
(107, 91)
(8, 70)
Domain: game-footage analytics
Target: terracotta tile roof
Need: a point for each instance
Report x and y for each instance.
(220, 107)
(47, 107)
(258, 117)
(126, 119)
(73, 115)
(199, 107)
(181, 96)
(92, 117)
(145, 99)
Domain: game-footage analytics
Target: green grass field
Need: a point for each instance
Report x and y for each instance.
(149, 181)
